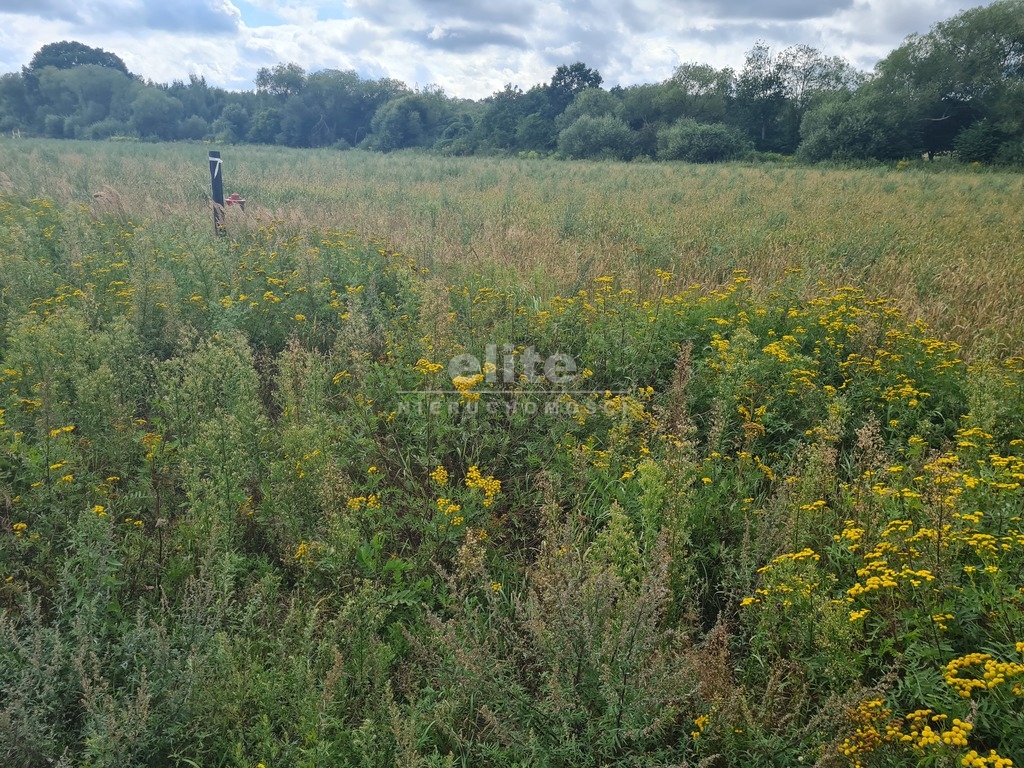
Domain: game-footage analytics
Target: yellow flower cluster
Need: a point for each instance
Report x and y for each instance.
(701, 722)
(782, 579)
(804, 554)
(305, 551)
(877, 572)
(992, 760)
(451, 511)
(440, 476)
(426, 367)
(868, 720)
(922, 730)
(448, 507)
(488, 485)
(465, 384)
(994, 673)
(370, 502)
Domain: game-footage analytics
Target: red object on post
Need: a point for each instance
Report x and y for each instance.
(235, 199)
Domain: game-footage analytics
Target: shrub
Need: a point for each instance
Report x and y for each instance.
(598, 137)
(701, 142)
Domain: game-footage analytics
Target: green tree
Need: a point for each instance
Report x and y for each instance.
(964, 70)
(15, 112)
(845, 127)
(568, 81)
(535, 132)
(701, 142)
(505, 110)
(649, 108)
(593, 102)
(761, 98)
(154, 114)
(808, 76)
(81, 97)
(198, 98)
(699, 92)
(282, 81)
(980, 143)
(193, 127)
(265, 127)
(414, 120)
(598, 137)
(233, 124)
(70, 54)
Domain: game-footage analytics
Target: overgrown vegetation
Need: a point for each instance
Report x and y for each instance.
(955, 90)
(259, 505)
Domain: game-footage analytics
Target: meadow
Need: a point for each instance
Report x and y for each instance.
(463, 461)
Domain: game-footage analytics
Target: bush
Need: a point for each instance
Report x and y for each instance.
(598, 137)
(979, 143)
(193, 127)
(105, 129)
(702, 142)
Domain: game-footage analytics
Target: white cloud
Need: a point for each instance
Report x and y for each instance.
(469, 48)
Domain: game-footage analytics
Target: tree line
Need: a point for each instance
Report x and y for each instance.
(957, 89)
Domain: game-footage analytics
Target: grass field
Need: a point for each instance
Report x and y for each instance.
(947, 246)
(439, 461)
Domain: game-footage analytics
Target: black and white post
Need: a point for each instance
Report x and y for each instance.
(217, 183)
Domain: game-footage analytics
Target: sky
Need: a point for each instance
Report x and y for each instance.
(470, 49)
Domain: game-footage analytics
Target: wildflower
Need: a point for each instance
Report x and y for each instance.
(448, 507)
(465, 384)
(489, 485)
(440, 476)
(426, 367)
(99, 510)
(701, 722)
(19, 528)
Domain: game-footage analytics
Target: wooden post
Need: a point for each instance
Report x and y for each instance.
(217, 183)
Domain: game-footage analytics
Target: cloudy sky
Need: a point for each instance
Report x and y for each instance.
(471, 48)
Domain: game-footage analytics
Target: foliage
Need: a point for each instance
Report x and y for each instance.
(293, 497)
(590, 137)
(69, 55)
(701, 143)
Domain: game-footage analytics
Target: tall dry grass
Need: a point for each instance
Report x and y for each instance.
(949, 246)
